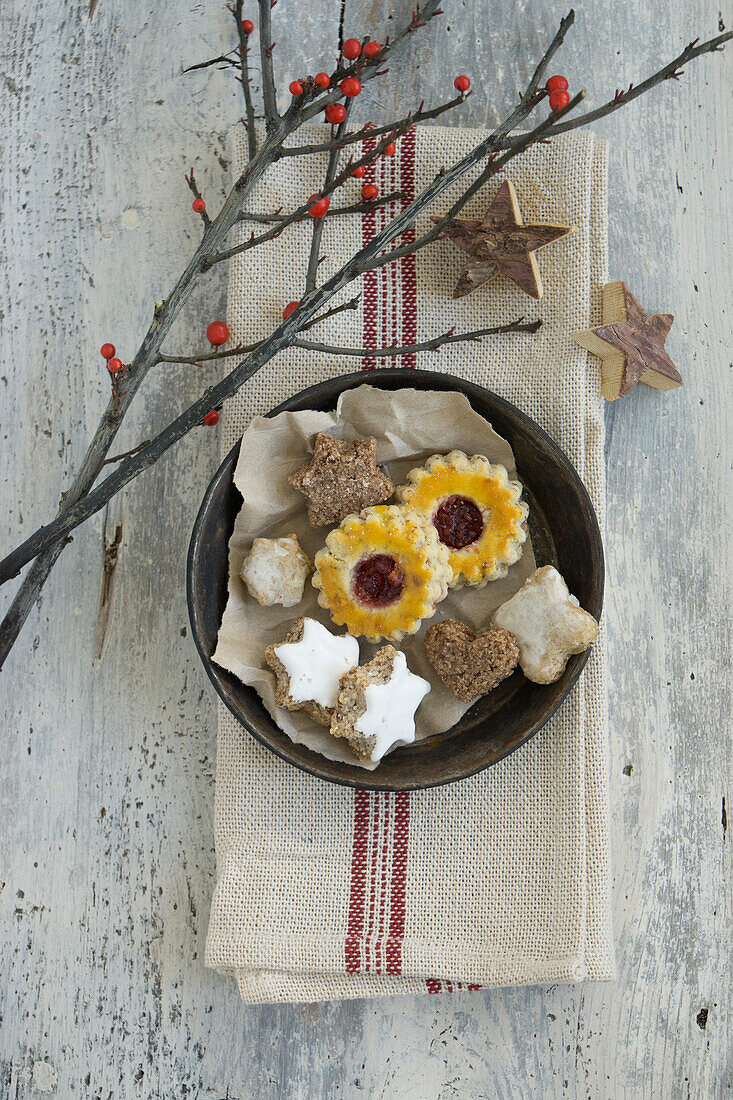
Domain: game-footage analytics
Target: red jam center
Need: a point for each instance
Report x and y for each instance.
(458, 522)
(378, 580)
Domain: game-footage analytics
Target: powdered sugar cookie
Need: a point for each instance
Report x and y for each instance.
(275, 571)
(548, 623)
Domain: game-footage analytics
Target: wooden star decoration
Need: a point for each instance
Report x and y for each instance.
(630, 345)
(501, 244)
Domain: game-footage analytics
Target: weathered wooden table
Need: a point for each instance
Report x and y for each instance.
(107, 781)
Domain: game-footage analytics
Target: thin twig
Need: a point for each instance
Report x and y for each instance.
(449, 337)
(249, 124)
(352, 303)
(315, 249)
(209, 357)
(332, 212)
(539, 74)
(191, 181)
(243, 349)
(126, 454)
(371, 132)
(223, 59)
(269, 93)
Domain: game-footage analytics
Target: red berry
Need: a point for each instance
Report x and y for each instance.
(462, 83)
(390, 150)
(198, 205)
(296, 88)
(217, 333)
(335, 112)
(107, 351)
(113, 365)
(559, 100)
(322, 80)
(557, 84)
(211, 418)
(319, 208)
(351, 48)
(369, 191)
(351, 86)
(290, 308)
(247, 26)
(358, 172)
(372, 49)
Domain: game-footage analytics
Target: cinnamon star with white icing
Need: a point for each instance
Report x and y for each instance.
(376, 705)
(308, 666)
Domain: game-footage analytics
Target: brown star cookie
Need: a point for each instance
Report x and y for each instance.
(470, 664)
(501, 244)
(340, 479)
(630, 344)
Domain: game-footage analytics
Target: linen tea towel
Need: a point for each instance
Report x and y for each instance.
(326, 892)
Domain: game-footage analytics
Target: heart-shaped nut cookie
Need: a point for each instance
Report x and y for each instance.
(470, 664)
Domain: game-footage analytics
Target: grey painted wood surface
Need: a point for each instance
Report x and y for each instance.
(107, 781)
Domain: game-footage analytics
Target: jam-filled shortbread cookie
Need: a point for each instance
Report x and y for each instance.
(308, 665)
(340, 478)
(276, 570)
(476, 511)
(548, 623)
(376, 705)
(381, 573)
(470, 664)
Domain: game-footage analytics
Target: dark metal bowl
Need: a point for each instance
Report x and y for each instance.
(564, 532)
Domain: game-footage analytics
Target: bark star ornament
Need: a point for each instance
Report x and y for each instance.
(630, 345)
(501, 244)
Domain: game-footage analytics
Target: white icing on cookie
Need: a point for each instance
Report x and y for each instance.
(548, 623)
(390, 708)
(317, 662)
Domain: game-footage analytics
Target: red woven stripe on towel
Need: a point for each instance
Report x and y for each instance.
(390, 292)
(376, 924)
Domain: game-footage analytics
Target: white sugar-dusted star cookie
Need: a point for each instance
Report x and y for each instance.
(376, 705)
(308, 665)
(548, 623)
(276, 570)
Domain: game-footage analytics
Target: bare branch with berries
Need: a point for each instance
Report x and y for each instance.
(341, 142)
(245, 27)
(325, 95)
(198, 205)
(332, 212)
